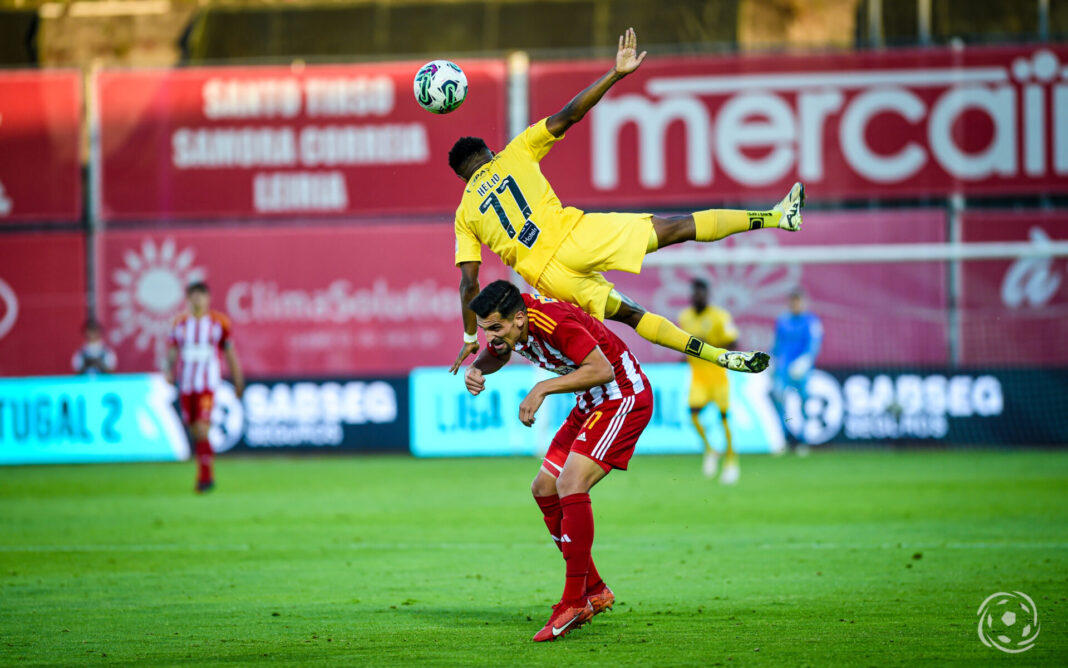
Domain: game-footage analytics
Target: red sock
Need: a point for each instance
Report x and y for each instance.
(577, 539)
(204, 461)
(551, 513)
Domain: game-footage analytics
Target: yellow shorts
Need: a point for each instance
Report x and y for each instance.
(703, 393)
(598, 242)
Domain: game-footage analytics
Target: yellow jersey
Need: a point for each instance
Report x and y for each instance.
(509, 206)
(712, 325)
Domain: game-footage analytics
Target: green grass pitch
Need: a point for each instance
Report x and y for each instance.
(838, 559)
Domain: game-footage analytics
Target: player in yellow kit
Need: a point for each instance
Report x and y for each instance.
(708, 383)
(561, 251)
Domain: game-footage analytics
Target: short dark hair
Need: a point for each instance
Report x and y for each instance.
(699, 283)
(90, 325)
(197, 286)
(497, 297)
(797, 293)
(463, 150)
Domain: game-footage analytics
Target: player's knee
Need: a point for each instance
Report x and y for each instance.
(200, 430)
(543, 485)
(572, 484)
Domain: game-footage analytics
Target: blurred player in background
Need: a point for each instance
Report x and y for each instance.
(613, 404)
(798, 336)
(94, 356)
(509, 206)
(196, 340)
(708, 382)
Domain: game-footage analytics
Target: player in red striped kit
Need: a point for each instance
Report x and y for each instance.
(613, 404)
(197, 338)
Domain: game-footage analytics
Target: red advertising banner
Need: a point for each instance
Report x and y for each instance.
(247, 142)
(304, 301)
(42, 302)
(878, 313)
(684, 131)
(40, 166)
(1015, 311)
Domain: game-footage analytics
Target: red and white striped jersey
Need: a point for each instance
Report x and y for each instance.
(199, 342)
(561, 335)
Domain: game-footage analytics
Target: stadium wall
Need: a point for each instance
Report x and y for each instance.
(316, 202)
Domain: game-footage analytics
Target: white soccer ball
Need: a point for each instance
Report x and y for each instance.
(440, 86)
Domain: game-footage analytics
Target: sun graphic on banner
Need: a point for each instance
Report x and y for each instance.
(148, 289)
(745, 291)
(756, 289)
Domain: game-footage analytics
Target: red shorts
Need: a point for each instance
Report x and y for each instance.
(196, 406)
(607, 434)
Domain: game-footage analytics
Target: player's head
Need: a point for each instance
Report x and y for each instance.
(198, 295)
(91, 331)
(698, 294)
(502, 314)
(467, 155)
(797, 301)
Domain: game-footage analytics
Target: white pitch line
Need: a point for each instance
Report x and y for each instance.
(607, 545)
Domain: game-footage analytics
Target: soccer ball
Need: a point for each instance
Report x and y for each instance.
(440, 86)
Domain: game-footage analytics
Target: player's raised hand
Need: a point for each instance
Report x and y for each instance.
(627, 58)
(468, 349)
(474, 380)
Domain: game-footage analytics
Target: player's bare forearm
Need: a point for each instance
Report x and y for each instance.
(488, 363)
(168, 364)
(236, 374)
(576, 109)
(468, 290)
(595, 370)
(627, 61)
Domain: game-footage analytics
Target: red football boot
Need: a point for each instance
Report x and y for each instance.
(602, 600)
(564, 620)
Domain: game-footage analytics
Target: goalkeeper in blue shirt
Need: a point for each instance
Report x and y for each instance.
(798, 335)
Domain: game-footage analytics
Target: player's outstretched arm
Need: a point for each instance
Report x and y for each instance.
(627, 60)
(235, 369)
(168, 365)
(468, 291)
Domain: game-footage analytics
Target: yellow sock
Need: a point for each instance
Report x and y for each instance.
(659, 330)
(729, 452)
(714, 224)
(696, 417)
(612, 304)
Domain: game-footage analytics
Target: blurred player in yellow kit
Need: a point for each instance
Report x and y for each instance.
(709, 382)
(561, 251)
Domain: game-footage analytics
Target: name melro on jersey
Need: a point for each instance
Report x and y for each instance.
(797, 122)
